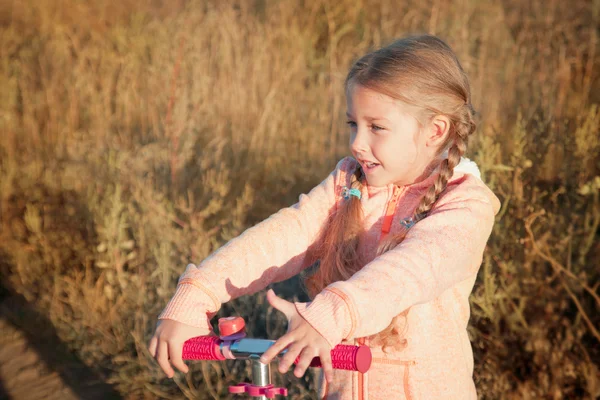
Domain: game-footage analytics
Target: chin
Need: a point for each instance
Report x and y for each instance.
(377, 182)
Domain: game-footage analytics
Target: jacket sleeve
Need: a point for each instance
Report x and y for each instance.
(438, 252)
(271, 251)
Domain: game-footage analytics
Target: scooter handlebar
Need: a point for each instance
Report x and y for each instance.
(346, 357)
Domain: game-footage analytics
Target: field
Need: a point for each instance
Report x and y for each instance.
(138, 136)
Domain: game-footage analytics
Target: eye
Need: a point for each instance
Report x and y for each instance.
(351, 124)
(377, 127)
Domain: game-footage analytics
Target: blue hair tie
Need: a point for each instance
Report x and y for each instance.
(347, 193)
(407, 222)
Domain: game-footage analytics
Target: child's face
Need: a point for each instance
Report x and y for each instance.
(386, 139)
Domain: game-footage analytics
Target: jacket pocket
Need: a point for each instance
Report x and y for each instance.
(390, 379)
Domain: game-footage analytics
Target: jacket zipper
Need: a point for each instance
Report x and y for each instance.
(388, 218)
(390, 210)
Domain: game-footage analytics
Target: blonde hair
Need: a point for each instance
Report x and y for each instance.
(421, 71)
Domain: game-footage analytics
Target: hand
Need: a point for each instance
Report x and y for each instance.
(167, 343)
(301, 338)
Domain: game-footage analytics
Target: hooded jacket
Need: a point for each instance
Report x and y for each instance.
(427, 279)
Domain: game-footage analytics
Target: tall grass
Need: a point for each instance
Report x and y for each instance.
(137, 136)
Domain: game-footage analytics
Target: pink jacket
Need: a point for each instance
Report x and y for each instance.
(428, 277)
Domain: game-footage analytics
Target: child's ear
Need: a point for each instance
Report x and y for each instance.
(439, 128)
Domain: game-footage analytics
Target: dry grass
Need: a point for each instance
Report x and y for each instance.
(136, 136)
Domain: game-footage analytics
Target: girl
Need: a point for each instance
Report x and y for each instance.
(399, 231)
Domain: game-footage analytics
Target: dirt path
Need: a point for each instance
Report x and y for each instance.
(35, 364)
(23, 373)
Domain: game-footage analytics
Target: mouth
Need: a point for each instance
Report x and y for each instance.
(369, 166)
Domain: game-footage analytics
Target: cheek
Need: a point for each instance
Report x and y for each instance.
(413, 142)
(399, 152)
(419, 139)
(380, 149)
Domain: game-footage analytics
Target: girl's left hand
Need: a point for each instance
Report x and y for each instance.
(301, 338)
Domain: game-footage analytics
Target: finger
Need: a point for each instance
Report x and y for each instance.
(327, 365)
(162, 356)
(306, 357)
(281, 304)
(152, 346)
(276, 348)
(290, 356)
(175, 354)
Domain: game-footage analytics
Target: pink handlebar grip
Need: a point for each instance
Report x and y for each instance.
(348, 357)
(203, 348)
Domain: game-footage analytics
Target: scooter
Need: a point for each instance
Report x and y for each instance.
(232, 344)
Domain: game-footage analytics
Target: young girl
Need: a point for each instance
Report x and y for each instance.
(399, 231)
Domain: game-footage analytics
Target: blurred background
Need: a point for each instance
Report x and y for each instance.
(139, 135)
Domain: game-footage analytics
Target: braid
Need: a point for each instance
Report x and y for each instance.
(463, 126)
(337, 252)
(351, 261)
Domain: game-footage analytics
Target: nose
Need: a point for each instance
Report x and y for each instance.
(358, 142)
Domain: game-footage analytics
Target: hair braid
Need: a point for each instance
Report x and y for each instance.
(461, 129)
(339, 244)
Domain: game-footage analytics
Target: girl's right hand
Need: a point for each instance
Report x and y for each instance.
(167, 344)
